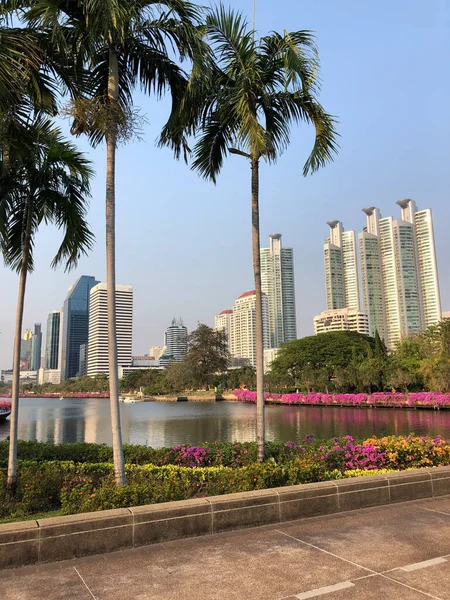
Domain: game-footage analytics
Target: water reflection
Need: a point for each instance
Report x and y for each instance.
(167, 424)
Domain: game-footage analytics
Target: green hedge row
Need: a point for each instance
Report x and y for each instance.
(85, 487)
(217, 453)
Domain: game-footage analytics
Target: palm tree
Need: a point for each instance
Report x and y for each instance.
(47, 184)
(123, 44)
(246, 105)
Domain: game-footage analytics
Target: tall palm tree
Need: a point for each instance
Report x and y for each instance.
(246, 105)
(124, 44)
(47, 184)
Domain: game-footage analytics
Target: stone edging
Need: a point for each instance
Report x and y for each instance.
(61, 538)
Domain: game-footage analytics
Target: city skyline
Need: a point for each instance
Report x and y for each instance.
(169, 249)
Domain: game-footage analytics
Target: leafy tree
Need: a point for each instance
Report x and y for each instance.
(47, 184)
(326, 352)
(207, 354)
(246, 105)
(123, 44)
(405, 363)
(244, 376)
(178, 377)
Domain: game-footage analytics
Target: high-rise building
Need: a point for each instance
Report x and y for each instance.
(222, 322)
(341, 268)
(426, 259)
(243, 326)
(277, 282)
(399, 279)
(402, 304)
(175, 343)
(25, 351)
(36, 348)
(97, 348)
(75, 325)
(371, 278)
(52, 340)
(341, 319)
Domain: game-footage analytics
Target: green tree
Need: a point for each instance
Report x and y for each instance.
(178, 377)
(243, 376)
(207, 354)
(47, 184)
(246, 105)
(329, 352)
(404, 371)
(123, 44)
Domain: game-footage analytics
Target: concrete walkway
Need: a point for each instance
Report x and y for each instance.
(399, 552)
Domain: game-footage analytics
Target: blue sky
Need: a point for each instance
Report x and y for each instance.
(185, 245)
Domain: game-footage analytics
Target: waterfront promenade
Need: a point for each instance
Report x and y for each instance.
(397, 551)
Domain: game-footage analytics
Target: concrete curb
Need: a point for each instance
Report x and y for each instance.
(61, 538)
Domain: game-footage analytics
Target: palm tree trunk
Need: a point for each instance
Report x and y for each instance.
(260, 405)
(14, 422)
(111, 142)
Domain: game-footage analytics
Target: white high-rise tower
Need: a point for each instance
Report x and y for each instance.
(399, 276)
(97, 354)
(371, 279)
(243, 326)
(341, 268)
(277, 282)
(222, 322)
(426, 259)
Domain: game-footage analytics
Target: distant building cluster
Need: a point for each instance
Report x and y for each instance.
(397, 271)
(278, 308)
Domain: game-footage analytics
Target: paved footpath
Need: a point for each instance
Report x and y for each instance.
(399, 552)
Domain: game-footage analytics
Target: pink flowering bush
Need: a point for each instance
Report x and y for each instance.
(434, 400)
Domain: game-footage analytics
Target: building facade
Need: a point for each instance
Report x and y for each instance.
(74, 325)
(341, 268)
(222, 322)
(399, 277)
(97, 347)
(155, 352)
(25, 350)
(52, 340)
(243, 326)
(175, 343)
(36, 347)
(277, 283)
(341, 319)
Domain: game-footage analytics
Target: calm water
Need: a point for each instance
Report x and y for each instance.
(167, 424)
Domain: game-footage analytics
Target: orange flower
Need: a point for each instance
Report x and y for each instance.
(92, 495)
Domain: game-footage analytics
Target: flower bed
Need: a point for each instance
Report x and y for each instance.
(434, 400)
(86, 483)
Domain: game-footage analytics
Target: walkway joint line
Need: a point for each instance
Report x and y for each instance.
(327, 552)
(85, 584)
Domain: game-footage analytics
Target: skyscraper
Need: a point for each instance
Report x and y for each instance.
(36, 348)
(371, 279)
(25, 351)
(426, 259)
(243, 326)
(341, 268)
(52, 340)
(277, 283)
(175, 343)
(222, 322)
(399, 279)
(75, 324)
(97, 348)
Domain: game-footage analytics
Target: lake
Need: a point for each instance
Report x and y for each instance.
(169, 423)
